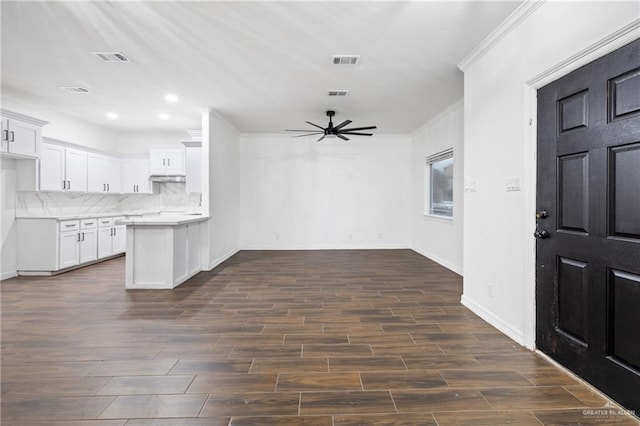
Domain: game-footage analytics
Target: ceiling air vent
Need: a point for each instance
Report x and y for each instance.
(75, 89)
(345, 59)
(111, 56)
(337, 92)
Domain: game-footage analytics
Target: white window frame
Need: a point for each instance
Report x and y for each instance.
(428, 193)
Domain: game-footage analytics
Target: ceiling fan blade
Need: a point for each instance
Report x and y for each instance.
(355, 133)
(321, 138)
(360, 128)
(342, 137)
(341, 125)
(306, 130)
(319, 127)
(307, 134)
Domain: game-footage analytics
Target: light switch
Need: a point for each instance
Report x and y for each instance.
(513, 183)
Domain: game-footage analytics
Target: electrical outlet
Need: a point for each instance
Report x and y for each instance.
(490, 290)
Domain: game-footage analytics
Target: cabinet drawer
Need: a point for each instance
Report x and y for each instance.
(105, 221)
(69, 225)
(116, 219)
(88, 223)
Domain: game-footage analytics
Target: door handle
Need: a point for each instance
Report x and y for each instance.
(542, 214)
(541, 234)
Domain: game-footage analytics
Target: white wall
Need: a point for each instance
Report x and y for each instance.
(7, 225)
(300, 194)
(498, 225)
(142, 142)
(64, 127)
(221, 188)
(438, 239)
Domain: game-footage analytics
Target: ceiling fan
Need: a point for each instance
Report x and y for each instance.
(340, 130)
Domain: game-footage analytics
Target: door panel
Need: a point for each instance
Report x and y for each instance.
(588, 269)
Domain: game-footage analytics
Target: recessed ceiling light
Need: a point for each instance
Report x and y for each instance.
(171, 98)
(163, 116)
(112, 115)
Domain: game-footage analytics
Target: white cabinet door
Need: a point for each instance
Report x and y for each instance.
(105, 246)
(5, 134)
(135, 176)
(88, 245)
(164, 162)
(69, 249)
(103, 174)
(114, 177)
(96, 173)
(175, 162)
(23, 138)
(157, 162)
(119, 239)
(52, 168)
(76, 170)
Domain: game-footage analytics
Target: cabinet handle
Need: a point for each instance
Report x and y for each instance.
(64, 184)
(83, 236)
(108, 188)
(12, 136)
(114, 232)
(168, 161)
(78, 238)
(69, 226)
(6, 135)
(68, 184)
(164, 161)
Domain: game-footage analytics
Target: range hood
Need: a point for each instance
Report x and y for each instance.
(165, 178)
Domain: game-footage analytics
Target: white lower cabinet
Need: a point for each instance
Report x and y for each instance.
(69, 242)
(48, 245)
(112, 239)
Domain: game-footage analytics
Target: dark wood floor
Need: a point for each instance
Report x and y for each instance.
(274, 338)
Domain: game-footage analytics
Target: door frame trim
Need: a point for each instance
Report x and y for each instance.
(606, 45)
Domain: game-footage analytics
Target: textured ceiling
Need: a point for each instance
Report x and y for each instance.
(265, 66)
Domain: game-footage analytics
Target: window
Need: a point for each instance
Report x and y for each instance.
(439, 174)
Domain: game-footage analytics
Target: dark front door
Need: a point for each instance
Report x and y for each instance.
(588, 200)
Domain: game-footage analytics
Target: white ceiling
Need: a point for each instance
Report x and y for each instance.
(265, 66)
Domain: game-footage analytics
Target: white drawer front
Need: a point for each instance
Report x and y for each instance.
(69, 225)
(105, 221)
(88, 223)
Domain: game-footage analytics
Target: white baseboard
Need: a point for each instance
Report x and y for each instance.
(215, 262)
(7, 275)
(384, 247)
(492, 319)
(455, 268)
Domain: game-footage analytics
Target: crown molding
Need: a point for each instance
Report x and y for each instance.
(22, 117)
(507, 26)
(621, 37)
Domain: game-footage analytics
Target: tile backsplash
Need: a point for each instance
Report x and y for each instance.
(170, 196)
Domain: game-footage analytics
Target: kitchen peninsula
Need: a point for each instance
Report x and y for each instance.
(163, 251)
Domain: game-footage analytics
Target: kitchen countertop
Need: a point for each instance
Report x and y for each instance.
(164, 220)
(147, 215)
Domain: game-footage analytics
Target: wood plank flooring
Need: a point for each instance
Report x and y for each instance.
(311, 338)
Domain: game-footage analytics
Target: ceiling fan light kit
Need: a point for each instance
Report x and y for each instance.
(341, 131)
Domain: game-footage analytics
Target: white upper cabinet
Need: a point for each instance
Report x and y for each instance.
(104, 174)
(62, 168)
(166, 162)
(135, 176)
(21, 135)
